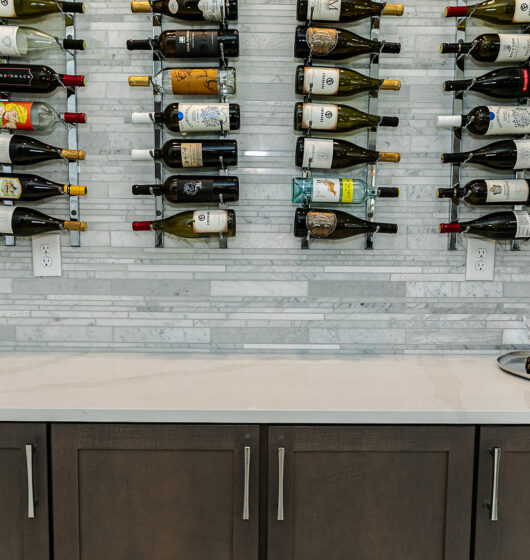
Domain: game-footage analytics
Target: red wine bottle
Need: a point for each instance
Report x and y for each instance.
(17, 220)
(493, 47)
(25, 187)
(24, 150)
(34, 78)
(499, 12)
(506, 154)
(491, 120)
(499, 225)
(491, 191)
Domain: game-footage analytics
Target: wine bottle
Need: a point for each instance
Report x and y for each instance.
(334, 154)
(321, 80)
(189, 81)
(334, 224)
(188, 43)
(192, 153)
(337, 191)
(340, 118)
(24, 150)
(493, 47)
(37, 116)
(198, 223)
(18, 40)
(34, 8)
(25, 187)
(344, 10)
(492, 191)
(493, 11)
(194, 117)
(504, 83)
(34, 79)
(506, 154)
(336, 44)
(189, 10)
(499, 225)
(183, 189)
(20, 221)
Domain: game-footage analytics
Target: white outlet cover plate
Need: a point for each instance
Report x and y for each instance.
(46, 250)
(480, 264)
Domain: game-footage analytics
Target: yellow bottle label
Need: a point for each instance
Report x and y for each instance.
(198, 81)
(347, 191)
(191, 154)
(10, 188)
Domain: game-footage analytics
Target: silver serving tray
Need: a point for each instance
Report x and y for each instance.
(514, 362)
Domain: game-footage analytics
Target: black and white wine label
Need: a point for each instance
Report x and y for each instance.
(191, 154)
(509, 120)
(211, 9)
(10, 188)
(321, 40)
(7, 8)
(189, 43)
(523, 224)
(197, 117)
(8, 41)
(523, 154)
(6, 217)
(5, 142)
(194, 190)
(321, 81)
(210, 221)
(506, 190)
(321, 224)
(324, 10)
(513, 48)
(522, 11)
(320, 152)
(320, 116)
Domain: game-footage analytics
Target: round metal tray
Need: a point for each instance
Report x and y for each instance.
(514, 363)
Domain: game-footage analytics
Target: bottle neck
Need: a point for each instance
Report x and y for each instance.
(456, 85)
(451, 193)
(141, 226)
(70, 80)
(458, 11)
(384, 228)
(143, 45)
(147, 189)
(450, 228)
(457, 157)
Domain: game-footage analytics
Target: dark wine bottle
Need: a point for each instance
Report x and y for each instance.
(504, 83)
(189, 10)
(336, 44)
(189, 43)
(194, 117)
(499, 12)
(24, 150)
(344, 10)
(506, 154)
(490, 191)
(26, 187)
(491, 120)
(336, 154)
(192, 153)
(37, 8)
(499, 225)
(34, 78)
(17, 220)
(335, 224)
(184, 189)
(493, 47)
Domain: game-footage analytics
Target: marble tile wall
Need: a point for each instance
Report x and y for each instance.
(263, 294)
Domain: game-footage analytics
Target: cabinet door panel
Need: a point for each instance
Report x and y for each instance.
(371, 493)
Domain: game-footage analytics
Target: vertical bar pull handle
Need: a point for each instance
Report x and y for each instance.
(496, 451)
(29, 470)
(281, 468)
(246, 491)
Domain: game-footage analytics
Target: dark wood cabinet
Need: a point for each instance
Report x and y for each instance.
(157, 492)
(24, 527)
(370, 493)
(503, 494)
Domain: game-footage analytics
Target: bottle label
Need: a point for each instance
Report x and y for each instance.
(324, 10)
(320, 152)
(523, 224)
(339, 191)
(321, 224)
(8, 41)
(509, 120)
(325, 81)
(523, 154)
(191, 44)
(16, 115)
(173, 6)
(507, 190)
(10, 187)
(210, 221)
(6, 219)
(5, 142)
(522, 11)
(16, 76)
(199, 117)
(191, 154)
(321, 40)
(211, 9)
(194, 190)
(7, 8)
(199, 81)
(513, 48)
(321, 117)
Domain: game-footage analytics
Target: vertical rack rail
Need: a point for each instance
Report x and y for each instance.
(158, 132)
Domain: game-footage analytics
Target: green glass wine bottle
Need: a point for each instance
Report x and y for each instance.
(499, 12)
(499, 225)
(37, 8)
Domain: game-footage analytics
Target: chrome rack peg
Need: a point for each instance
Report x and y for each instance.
(309, 94)
(308, 130)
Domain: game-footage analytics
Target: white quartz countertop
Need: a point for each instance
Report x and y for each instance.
(260, 389)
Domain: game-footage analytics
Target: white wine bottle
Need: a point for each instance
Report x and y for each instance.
(37, 8)
(189, 10)
(17, 40)
(337, 191)
(489, 120)
(24, 150)
(34, 115)
(499, 12)
(20, 221)
(344, 10)
(493, 47)
(26, 187)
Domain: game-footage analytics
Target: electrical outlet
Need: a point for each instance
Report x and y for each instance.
(46, 255)
(480, 259)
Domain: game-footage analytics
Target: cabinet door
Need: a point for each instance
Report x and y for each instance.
(370, 493)
(503, 495)
(155, 492)
(24, 529)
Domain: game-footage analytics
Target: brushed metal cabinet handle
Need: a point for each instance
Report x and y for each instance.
(246, 491)
(29, 471)
(281, 469)
(496, 451)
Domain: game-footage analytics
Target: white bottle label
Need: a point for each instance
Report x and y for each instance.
(326, 190)
(10, 188)
(210, 221)
(7, 8)
(522, 11)
(5, 142)
(523, 224)
(321, 117)
(513, 48)
(509, 120)
(325, 81)
(203, 117)
(507, 190)
(173, 6)
(6, 215)
(523, 154)
(324, 10)
(320, 152)
(8, 41)
(211, 9)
